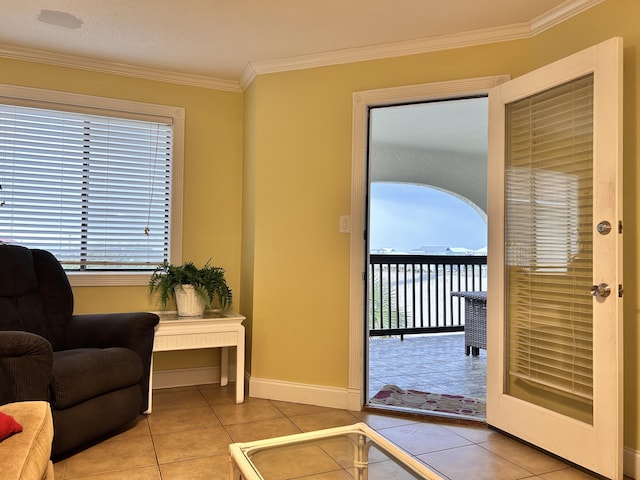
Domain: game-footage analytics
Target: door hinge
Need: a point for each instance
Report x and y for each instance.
(620, 290)
(619, 226)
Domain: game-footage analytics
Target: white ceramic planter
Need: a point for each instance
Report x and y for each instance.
(189, 303)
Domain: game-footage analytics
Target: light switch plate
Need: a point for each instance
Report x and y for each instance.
(345, 223)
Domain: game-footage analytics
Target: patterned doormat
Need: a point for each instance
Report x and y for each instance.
(394, 396)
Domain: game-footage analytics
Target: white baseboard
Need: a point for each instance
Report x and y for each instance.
(190, 376)
(299, 393)
(259, 388)
(354, 399)
(631, 462)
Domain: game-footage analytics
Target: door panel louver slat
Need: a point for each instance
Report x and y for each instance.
(549, 241)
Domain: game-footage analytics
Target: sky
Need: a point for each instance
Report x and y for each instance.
(406, 217)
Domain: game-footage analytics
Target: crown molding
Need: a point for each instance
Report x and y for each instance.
(72, 61)
(247, 76)
(549, 19)
(555, 16)
(561, 13)
(409, 47)
(388, 50)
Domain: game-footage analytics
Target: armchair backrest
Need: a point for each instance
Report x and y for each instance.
(35, 295)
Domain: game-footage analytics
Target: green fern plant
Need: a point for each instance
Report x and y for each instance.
(209, 282)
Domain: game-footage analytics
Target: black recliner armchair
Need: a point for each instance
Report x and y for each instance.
(93, 369)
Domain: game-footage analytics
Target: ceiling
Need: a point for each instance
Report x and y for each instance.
(222, 39)
(458, 125)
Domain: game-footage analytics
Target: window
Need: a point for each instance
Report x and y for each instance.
(98, 182)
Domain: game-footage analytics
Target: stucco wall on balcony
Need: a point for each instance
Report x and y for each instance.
(462, 174)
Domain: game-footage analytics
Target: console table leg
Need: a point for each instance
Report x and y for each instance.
(224, 366)
(240, 369)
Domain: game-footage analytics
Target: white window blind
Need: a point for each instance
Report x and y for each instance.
(94, 189)
(549, 239)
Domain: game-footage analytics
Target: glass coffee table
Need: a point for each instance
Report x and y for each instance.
(352, 452)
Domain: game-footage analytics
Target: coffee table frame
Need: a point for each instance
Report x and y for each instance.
(243, 468)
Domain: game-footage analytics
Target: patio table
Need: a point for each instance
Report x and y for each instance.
(475, 321)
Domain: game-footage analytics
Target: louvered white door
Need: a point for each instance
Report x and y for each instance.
(554, 346)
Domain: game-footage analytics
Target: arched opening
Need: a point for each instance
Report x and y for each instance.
(406, 217)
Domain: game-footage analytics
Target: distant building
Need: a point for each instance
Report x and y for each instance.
(431, 250)
(383, 251)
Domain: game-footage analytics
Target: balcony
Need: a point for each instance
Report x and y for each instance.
(410, 296)
(430, 363)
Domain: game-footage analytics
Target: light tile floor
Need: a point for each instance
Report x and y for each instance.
(188, 434)
(432, 363)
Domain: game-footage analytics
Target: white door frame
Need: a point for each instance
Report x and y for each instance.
(362, 102)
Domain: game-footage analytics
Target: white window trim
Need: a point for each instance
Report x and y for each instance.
(177, 176)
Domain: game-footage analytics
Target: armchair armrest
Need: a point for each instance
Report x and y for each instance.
(129, 330)
(103, 330)
(26, 367)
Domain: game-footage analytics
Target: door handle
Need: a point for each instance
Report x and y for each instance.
(603, 290)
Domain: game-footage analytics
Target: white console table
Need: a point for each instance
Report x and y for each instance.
(214, 329)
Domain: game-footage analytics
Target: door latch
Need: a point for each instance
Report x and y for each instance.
(603, 290)
(603, 227)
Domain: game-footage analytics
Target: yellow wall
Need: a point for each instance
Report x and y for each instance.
(248, 217)
(268, 173)
(213, 177)
(302, 159)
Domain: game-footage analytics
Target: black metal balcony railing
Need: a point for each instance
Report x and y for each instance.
(411, 294)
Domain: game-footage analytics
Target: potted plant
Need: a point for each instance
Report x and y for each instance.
(194, 289)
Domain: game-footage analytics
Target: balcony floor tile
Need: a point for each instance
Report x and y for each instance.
(431, 362)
